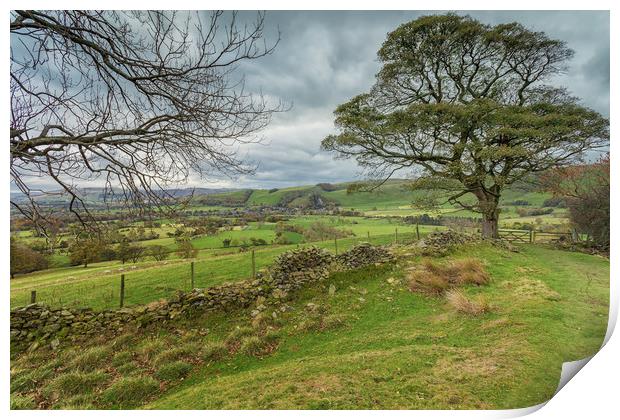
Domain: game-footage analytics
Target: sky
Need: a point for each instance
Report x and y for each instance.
(326, 58)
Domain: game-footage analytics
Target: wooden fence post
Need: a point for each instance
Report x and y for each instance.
(336, 244)
(192, 270)
(417, 231)
(396, 235)
(531, 236)
(122, 290)
(253, 265)
(33, 296)
(368, 235)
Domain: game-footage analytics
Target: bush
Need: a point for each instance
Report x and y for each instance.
(523, 212)
(559, 202)
(73, 383)
(24, 259)
(461, 303)
(173, 371)
(519, 203)
(130, 391)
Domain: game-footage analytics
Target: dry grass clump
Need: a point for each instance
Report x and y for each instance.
(427, 282)
(461, 303)
(470, 271)
(525, 287)
(435, 279)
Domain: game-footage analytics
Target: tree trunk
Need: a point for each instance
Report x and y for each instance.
(489, 226)
(489, 206)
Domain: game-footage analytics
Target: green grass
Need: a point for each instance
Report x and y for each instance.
(98, 285)
(371, 344)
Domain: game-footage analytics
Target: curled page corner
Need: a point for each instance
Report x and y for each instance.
(569, 370)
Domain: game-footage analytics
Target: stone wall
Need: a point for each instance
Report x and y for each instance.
(35, 324)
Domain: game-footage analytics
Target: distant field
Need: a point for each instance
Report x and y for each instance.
(98, 285)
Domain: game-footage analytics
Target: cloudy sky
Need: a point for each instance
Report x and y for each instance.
(325, 58)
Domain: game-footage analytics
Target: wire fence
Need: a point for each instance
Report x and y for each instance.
(100, 287)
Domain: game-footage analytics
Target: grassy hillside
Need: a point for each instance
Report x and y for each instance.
(393, 198)
(371, 343)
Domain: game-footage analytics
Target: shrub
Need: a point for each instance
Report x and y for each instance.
(214, 352)
(173, 371)
(461, 303)
(24, 259)
(90, 358)
(559, 202)
(73, 383)
(130, 391)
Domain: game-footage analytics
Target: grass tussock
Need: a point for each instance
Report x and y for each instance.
(72, 383)
(122, 358)
(214, 352)
(236, 336)
(258, 345)
(189, 350)
(435, 279)
(130, 391)
(90, 359)
(470, 306)
(173, 371)
(19, 402)
(128, 368)
(27, 380)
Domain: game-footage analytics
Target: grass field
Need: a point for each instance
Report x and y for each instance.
(379, 346)
(98, 285)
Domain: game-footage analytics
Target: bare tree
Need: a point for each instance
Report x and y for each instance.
(137, 101)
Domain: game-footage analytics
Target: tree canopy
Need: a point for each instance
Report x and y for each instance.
(467, 104)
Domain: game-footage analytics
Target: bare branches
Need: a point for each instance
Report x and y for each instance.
(136, 101)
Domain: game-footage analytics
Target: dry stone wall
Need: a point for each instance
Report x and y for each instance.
(35, 324)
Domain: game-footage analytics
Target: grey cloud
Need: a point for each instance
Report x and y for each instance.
(325, 58)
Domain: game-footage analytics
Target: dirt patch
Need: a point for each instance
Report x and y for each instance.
(531, 288)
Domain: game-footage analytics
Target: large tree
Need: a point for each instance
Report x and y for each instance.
(466, 105)
(137, 101)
